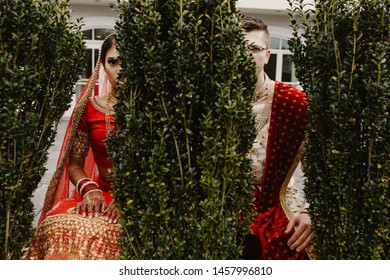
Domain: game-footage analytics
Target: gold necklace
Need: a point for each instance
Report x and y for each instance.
(262, 96)
(110, 101)
(263, 90)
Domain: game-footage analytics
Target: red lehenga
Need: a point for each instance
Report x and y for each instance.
(62, 233)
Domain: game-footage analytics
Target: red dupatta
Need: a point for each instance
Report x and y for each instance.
(60, 186)
(286, 134)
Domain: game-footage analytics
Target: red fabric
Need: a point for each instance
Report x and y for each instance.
(61, 188)
(286, 133)
(62, 233)
(93, 122)
(64, 206)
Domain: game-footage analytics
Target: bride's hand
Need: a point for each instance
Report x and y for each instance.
(112, 215)
(93, 204)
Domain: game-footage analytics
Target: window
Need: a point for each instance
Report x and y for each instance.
(280, 65)
(93, 39)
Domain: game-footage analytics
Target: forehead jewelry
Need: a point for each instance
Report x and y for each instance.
(105, 39)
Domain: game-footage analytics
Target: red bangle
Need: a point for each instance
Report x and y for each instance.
(88, 186)
(80, 183)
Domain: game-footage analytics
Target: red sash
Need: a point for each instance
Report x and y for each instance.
(286, 133)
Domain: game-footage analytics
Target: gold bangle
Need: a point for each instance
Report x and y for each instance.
(86, 196)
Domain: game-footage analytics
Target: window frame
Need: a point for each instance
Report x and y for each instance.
(280, 52)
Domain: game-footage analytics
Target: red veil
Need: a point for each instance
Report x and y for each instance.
(60, 186)
(63, 233)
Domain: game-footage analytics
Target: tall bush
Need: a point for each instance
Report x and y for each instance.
(41, 56)
(184, 127)
(341, 53)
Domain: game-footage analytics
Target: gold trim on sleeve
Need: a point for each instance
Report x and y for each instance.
(81, 144)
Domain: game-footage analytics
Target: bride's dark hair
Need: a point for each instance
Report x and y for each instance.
(107, 44)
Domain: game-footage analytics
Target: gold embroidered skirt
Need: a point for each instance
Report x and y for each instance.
(72, 237)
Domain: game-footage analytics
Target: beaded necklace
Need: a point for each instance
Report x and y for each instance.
(262, 96)
(110, 101)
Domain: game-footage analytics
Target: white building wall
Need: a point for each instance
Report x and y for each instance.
(272, 12)
(95, 16)
(99, 14)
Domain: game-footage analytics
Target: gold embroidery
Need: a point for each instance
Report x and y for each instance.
(81, 144)
(261, 108)
(294, 199)
(76, 117)
(69, 237)
(283, 191)
(96, 103)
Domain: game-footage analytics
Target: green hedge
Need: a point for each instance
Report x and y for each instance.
(341, 53)
(182, 180)
(41, 56)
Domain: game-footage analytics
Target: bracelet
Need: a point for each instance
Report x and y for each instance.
(80, 181)
(88, 188)
(93, 190)
(86, 184)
